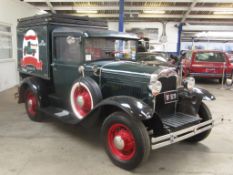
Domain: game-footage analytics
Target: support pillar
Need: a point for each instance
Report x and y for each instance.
(180, 27)
(121, 15)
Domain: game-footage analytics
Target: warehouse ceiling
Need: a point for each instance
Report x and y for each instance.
(191, 11)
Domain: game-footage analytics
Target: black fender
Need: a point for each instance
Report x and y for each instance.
(206, 95)
(35, 84)
(130, 105)
(189, 101)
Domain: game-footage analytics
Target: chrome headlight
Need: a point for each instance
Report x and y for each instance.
(190, 83)
(155, 85)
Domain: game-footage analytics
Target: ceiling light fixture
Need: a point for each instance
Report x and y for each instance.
(41, 12)
(153, 11)
(87, 11)
(223, 12)
(213, 34)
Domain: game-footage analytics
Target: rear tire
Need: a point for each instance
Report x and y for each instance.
(126, 140)
(32, 105)
(205, 114)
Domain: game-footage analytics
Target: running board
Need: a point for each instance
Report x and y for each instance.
(61, 114)
(173, 137)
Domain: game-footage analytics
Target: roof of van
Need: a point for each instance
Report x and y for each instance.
(96, 32)
(60, 19)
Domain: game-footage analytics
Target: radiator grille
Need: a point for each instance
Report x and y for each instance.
(168, 84)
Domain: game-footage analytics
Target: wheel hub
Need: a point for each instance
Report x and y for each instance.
(119, 142)
(80, 101)
(30, 102)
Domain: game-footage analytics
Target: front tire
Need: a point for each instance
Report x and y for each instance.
(204, 114)
(126, 140)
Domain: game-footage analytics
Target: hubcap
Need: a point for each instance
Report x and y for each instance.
(80, 101)
(121, 141)
(30, 103)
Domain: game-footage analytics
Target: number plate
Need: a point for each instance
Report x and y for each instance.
(210, 70)
(170, 97)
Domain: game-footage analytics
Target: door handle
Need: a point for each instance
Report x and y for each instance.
(53, 64)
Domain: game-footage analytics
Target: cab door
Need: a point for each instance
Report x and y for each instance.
(67, 57)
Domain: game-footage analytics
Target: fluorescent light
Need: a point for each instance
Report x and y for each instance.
(223, 12)
(214, 34)
(41, 12)
(87, 11)
(153, 11)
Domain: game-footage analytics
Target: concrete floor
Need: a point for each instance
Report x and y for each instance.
(54, 148)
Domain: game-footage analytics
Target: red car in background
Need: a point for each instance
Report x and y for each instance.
(207, 64)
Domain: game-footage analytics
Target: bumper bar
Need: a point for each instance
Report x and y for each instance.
(161, 141)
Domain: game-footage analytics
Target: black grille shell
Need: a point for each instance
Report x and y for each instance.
(168, 84)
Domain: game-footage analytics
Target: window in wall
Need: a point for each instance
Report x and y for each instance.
(5, 41)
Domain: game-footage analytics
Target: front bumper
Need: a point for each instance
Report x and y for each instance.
(173, 137)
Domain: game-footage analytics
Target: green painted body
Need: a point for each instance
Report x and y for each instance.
(122, 85)
(115, 78)
(122, 78)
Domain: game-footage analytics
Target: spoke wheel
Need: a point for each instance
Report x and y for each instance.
(85, 94)
(32, 105)
(82, 100)
(126, 140)
(121, 141)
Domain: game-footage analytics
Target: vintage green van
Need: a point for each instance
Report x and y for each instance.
(78, 71)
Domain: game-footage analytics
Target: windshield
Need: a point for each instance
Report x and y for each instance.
(109, 48)
(210, 57)
(151, 57)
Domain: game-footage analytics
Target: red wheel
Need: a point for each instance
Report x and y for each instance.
(126, 140)
(32, 105)
(121, 141)
(84, 95)
(83, 100)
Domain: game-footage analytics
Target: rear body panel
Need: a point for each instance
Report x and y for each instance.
(35, 41)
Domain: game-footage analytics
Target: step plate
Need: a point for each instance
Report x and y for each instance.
(179, 121)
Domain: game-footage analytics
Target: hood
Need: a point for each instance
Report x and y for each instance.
(126, 67)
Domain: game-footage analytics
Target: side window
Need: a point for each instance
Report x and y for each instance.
(67, 49)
